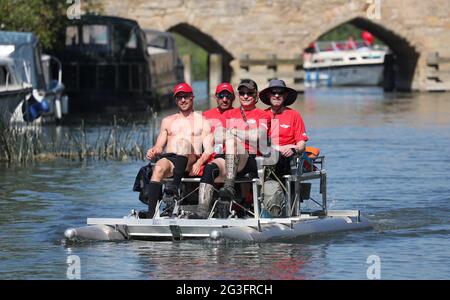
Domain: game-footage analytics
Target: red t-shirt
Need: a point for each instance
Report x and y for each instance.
(255, 118)
(290, 128)
(214, 116)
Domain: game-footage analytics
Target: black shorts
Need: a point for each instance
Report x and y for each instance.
(249, 168)
(283, 166)
(170, 156)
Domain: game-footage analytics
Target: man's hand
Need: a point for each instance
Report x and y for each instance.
(196, 168)
(152, 152)
(286, 151)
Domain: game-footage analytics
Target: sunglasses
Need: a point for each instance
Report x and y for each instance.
(250, 94)
(277, 91)
(225, 95)
(181, 96)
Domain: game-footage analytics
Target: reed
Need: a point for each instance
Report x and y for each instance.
(23, 144)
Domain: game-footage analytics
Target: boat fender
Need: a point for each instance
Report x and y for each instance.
(35, 109)
(58, 109)
(215, 235)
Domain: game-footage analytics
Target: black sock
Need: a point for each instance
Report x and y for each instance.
(154, 193)
(179, 169)
(210, 173)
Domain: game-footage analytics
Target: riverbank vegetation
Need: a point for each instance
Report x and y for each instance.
(24, 144)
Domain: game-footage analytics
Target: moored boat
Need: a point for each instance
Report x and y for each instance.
(46, 100)
(343, 63)
(113, 65)
(12, 90)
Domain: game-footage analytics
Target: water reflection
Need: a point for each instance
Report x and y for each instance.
(371, 106)
(225, 260)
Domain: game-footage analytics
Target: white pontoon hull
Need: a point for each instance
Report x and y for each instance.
(252, 230)
(253, 227)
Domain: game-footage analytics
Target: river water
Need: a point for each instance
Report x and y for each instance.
(386, 154)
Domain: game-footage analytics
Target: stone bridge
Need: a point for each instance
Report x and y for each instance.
(417, 31)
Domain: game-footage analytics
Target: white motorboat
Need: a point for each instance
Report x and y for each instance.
(12, 90)
(255, 225)
(343, 63)
(47, 100)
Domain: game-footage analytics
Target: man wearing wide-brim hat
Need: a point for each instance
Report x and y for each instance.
(288, 133)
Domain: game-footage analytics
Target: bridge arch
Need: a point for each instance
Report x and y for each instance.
(208, 43)
(416, 31)
(405, 55)
(401, 64)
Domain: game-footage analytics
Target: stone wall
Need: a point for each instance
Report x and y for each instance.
(259, 28)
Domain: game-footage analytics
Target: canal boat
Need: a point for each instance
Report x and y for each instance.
(343, 63)
(167, 66)
(109, 66)
(258, 222)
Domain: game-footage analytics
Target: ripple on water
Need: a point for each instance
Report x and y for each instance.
(386, 154)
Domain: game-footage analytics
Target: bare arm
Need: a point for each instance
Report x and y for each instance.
(286, 150)
(300, 146)
(161, 141)
(207, 142)
(208, 149)
(251, 135)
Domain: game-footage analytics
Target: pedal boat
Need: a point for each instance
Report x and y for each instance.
(294, 224)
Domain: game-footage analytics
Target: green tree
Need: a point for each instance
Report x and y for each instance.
(198, 54)
(45, 18)
(343, 32)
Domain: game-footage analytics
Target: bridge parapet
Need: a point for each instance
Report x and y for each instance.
(438, 72)
(262, 70)
(413, 30)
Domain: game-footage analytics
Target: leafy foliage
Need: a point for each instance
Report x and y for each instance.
(343, 32)
(198, 54)
(46, 18)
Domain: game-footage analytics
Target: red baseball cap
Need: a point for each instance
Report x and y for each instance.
(182, 87)
(225, 86)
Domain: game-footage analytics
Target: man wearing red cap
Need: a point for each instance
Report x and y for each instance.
(225, 97)
(242, 129)
(182, 135)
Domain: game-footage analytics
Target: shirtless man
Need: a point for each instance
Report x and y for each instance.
(183, 135)
(224, 96)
